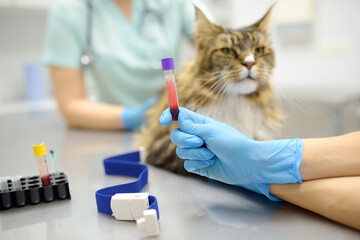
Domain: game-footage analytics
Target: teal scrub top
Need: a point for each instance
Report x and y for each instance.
(127, 51)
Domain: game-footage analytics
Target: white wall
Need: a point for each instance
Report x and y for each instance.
(328, 68)
(21, 38)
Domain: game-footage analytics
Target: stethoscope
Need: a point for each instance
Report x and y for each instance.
(88, 57)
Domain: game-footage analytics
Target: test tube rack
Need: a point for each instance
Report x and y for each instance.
(33, 192)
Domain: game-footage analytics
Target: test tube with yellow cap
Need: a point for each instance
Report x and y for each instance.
(40, 154)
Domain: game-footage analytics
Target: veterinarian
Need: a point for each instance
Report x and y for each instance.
(117, 45)
(321, 175)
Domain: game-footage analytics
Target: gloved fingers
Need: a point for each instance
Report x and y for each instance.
(148, 103)
(197, 117)
(195, 166)
(194, 153)
(261, 188)
(185, 140)
(165, 118)
(134, 117)
(191, 122)
(131, 118)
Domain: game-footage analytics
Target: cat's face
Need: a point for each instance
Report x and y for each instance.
(240, 61)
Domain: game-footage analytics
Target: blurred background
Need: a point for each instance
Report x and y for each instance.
(317, 46)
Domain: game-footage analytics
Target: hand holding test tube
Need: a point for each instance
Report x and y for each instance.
(168, 68)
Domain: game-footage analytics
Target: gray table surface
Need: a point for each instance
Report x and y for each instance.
(190, 207)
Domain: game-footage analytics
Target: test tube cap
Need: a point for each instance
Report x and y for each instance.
(167, 64)
(39, 150)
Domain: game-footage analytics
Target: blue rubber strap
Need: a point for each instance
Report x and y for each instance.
(124, 165)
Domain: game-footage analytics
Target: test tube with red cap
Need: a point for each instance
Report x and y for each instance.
(168, 69)
(40, 154)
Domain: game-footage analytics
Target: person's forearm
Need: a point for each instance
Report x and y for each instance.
(78, 111)
(92, 115)
(331, 157)
(334, 198)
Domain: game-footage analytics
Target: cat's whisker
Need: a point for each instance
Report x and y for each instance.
(264, 71)
(206, 79)
(216, 84)
(204, 71)
(293, 99)
(210, 73)
(219, 88)
(203, 99)
(206, 96)
(223, 97)
(231, 70)
(216, 72)
(224, 73)
(206, 83)
(289, 99)
(196, 101)
(208, 112)
(226, 86)
(219, 74)
(220, 92)
(268, 74)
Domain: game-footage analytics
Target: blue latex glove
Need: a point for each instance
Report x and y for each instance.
(133, 117)
(231, 157)
(261, 188)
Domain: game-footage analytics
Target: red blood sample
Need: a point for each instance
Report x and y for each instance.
(174, 113)
(172, 97)
(46, 180)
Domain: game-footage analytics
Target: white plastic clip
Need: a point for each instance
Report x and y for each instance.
(129, 206)
(149, 222)
(142, 153)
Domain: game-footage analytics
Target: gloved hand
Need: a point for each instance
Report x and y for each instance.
(261, 188)
(133, 117)
(231, 157)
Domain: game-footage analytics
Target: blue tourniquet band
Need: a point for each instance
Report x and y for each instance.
(124, 165)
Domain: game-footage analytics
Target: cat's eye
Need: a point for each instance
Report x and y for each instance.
(229, 51)
(259, 50)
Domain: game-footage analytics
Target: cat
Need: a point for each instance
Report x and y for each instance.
(229, 80)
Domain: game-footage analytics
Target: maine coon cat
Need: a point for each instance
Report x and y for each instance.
(229, 80)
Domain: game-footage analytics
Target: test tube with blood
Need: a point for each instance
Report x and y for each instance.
(168, 69)
(40, 154)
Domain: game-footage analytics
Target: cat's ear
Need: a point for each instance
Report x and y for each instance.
(263, 23)
(204, 28)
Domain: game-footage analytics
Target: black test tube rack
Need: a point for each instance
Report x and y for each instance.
(33, 192)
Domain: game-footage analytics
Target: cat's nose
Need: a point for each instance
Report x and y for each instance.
(249, 61)
(248, 65)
